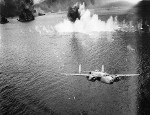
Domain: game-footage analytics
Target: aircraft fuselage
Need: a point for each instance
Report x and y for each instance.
(100, 76)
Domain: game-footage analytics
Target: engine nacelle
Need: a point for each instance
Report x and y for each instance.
(116, 79)
(91, 78)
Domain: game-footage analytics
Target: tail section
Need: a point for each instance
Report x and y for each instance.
(79, 68)
(102, 69)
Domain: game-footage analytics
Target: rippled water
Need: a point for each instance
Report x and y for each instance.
(33, 56)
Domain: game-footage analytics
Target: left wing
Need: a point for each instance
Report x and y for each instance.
(76, 74)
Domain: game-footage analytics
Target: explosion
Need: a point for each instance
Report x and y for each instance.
(84, 22)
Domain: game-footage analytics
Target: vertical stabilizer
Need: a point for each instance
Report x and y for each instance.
(102, 69)
(79, 68)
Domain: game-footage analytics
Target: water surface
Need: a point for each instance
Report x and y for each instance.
(33, 56)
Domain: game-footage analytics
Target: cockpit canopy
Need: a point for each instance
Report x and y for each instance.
(106, 75)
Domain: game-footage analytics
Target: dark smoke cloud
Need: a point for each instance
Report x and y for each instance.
(92, 2)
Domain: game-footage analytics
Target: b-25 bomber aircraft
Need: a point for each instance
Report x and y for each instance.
(101, 76)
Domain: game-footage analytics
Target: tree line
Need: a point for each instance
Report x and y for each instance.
(11, 8)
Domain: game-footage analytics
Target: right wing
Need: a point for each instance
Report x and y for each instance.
(127, 75)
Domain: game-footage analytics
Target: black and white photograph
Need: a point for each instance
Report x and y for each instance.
(74, 57)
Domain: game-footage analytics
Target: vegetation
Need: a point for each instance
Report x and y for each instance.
(11, 8)
(60, 5)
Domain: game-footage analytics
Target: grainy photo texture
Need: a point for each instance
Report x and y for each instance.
(74, 57)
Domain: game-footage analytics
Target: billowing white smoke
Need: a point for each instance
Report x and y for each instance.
(37, 1)
(88, 23)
